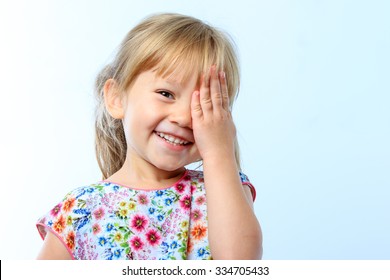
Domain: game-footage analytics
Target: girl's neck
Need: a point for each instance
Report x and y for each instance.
(146, 176)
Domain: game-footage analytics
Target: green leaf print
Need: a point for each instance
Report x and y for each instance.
(99, 187)
(123, 229)
(126, 235)
(182, 249)
(81, 203)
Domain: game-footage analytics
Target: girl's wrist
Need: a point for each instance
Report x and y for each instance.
(219, 158)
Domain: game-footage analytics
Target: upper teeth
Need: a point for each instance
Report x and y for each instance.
(172, 139)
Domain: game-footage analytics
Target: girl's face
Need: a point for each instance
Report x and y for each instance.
(157, 121)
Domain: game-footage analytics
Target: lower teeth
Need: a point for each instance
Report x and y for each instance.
(173, 143)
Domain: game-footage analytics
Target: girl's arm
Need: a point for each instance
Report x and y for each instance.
(234, 232)
(233, 229)
(53, 249)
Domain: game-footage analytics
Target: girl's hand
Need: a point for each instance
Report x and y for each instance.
(229, 204)
(212, 122)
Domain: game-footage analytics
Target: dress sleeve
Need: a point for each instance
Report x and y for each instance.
(64, 220)
(245, 181)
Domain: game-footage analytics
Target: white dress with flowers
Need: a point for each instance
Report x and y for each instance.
(110, 221)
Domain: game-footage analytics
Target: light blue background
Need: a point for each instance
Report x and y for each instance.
(313, 114)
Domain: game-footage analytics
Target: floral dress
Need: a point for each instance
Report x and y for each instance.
(110, 221)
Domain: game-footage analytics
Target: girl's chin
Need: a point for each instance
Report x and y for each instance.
(173, 165)
(170, 168)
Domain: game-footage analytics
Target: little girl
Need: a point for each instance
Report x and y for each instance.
(163, 103)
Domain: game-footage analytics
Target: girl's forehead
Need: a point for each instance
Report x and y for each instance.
(181, 68)
(177, 77)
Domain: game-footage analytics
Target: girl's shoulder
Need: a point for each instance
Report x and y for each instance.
(196, 175)
(193, 175)
(79, 207)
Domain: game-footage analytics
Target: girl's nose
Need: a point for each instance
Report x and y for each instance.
(181, 115)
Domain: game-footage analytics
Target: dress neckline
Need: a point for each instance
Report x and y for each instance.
(142, 189)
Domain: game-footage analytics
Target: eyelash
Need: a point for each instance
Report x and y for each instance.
(166, 94)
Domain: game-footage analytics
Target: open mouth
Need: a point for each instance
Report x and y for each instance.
(172, 139)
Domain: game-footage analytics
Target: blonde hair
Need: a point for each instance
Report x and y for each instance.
(167, 43)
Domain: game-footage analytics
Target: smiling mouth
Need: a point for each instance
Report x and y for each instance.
(172, 139)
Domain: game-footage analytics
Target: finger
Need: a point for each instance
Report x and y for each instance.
(205, 99)
(215, 89)
(224, 90)
(196, 108)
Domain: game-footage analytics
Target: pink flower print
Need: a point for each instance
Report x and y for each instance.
(143, 199)
(187, 178)
(196, 215)
(193, 188)
(106, 199)
(139, 223)
(200, 200)
(54, 212)
(99, 213)
(136, 243)
(153, 237)
(185, 202)
(96, 229)
(180, 188)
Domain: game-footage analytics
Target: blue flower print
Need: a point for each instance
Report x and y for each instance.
(82, 192)
(102, 241)
(164, 247)
(201, 252)
(159, 193)
(108, 254)
(109, 227)
(174, 245)
(118, 253)
(168, 201)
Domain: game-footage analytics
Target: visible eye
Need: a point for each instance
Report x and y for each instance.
(166, 94)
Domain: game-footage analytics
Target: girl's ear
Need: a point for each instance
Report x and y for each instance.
(113, 99)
